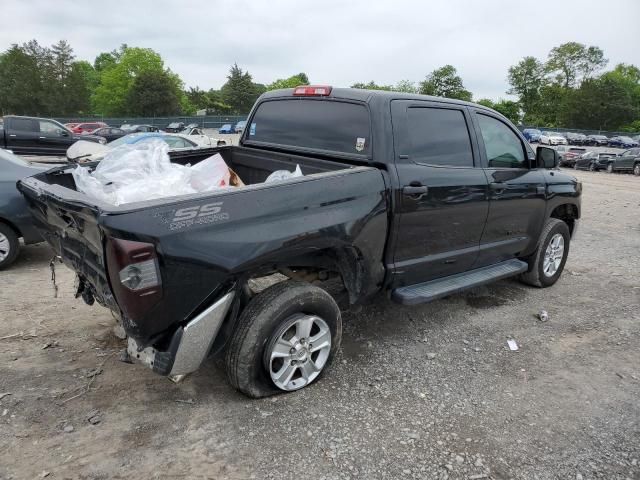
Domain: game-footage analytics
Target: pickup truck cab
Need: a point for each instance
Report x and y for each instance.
(38, 136)
(408, 196)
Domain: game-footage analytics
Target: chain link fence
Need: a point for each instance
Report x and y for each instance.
(205, 121)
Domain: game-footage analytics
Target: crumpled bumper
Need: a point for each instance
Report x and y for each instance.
(189, 345)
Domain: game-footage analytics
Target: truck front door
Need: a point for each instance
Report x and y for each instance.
(441, 204)
(517, 191)
(53, 138)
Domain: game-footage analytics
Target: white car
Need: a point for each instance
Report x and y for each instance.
(197, 135)
(552, 138)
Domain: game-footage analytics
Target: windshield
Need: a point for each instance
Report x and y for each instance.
(326, 125)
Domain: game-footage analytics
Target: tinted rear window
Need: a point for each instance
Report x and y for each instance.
(25, 125)
(439, 136)
(315, 124)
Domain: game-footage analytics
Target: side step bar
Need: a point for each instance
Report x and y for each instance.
(434, 289)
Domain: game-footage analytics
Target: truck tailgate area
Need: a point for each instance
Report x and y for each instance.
(334, 205)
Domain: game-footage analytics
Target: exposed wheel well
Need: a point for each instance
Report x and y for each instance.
(568, 213)
(11, 226)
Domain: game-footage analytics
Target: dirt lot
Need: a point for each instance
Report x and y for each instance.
(425, 392)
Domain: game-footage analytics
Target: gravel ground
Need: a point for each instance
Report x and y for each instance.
(427, 392)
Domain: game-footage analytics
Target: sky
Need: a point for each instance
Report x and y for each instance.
(334, 42)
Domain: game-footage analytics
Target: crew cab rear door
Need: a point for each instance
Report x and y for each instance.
(22, 134)
(441, 204)
(517, 191)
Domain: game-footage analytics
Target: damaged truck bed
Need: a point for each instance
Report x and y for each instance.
(380, 208)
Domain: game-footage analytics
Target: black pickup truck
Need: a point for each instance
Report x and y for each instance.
(38, 136)
(410, 196)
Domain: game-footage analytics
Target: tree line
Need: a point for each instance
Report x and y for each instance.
(129, 81)
(568, 89)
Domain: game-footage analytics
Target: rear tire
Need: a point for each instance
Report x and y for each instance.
(554, 231)
(636, 169)
(268, 318)
(609, 167)
(9, 245)
(592, 167)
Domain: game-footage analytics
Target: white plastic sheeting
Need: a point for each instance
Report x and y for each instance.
(134, 173)
(280, 175)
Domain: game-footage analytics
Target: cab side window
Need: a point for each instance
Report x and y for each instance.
(503, 147)
(439, 136)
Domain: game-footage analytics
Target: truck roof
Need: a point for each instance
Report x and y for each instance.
(364, 95)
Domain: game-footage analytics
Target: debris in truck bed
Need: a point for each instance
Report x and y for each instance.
(134, 173)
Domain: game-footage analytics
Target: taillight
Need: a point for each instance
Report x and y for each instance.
(134, 275)
(312, 91)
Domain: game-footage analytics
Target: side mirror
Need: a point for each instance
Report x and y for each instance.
(221, 143)
(64, 133)
(547, 158)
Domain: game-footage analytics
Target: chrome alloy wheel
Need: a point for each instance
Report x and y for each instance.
(5, 247)
(298, 351)
(553, 255)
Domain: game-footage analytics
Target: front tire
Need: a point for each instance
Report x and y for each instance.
(285, 338)
(550, 256)
(610, 168)
(592, 167)
(9, 245)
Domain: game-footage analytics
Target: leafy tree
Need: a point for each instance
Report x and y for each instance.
(20, 83)
(291, 82)
(526, 78)
(110, 97)
(372, 86)
(153, 93)
(508, 108)
(601, 103)
(82, 80)
(573, 61)
(405, 86)
(445, 82)
(239, 91)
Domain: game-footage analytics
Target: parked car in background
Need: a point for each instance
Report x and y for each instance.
(39, 136)
(70, 125)
(140, 128)
(239, 128)
(552, 138)
(569, 155)
(89, 152)
(174, 127)
(622, 142)
(593, 161)
(89, 127)
(110, 133)
(15, 218)
(532, 134)
(576, 138)
(597, 140)
(226, 128)
(196, 135)
(628, 161)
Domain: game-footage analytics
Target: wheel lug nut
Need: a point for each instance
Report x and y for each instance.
(292, 351)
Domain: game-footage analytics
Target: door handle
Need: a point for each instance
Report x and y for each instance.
(42, 138)
(415, 191)
(13, 135)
